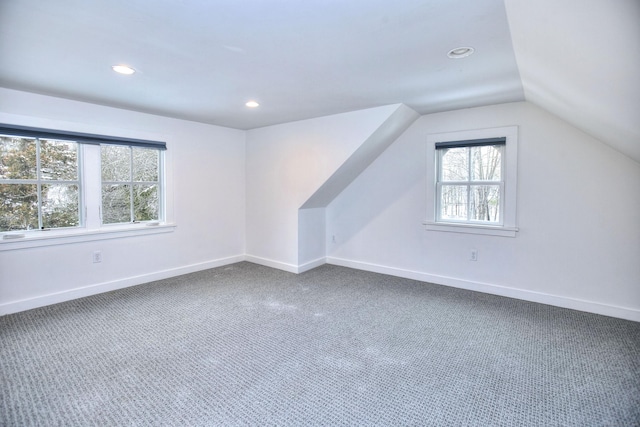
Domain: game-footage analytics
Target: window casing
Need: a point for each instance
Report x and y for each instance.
(473, 181)
(62, 179)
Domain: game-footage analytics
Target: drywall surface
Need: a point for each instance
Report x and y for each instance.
(285, 165)
(587, 77)
(205, 180)
(578, 213)
(312, 248)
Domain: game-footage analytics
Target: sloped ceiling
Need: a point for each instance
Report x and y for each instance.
(580, 59)
(202, 60)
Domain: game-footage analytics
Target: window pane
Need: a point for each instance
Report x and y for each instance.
(116, 203)
(18, 207)
(59, 160)
(455, 164)
(486, 163)
(17, 158)
(116, 163)
(145, 202)
(485, 203)
(60, 206)
(453, 202)
(145, 164)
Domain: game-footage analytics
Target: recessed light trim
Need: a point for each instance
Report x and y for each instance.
(252, 104)
(460, 52)
(123, 69)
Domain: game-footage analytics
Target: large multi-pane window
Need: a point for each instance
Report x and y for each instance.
(39, 184)
(53, 179)
(470, 183)
(130, 184)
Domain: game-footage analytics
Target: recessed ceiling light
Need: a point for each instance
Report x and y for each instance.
(123, 69)
(460, 52)
(252, 104)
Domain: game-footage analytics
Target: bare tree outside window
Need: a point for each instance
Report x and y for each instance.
(470, 183)
(130, 184)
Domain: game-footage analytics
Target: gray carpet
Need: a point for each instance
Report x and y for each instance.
(249, 345)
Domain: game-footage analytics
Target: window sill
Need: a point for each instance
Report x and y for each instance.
(486, 230)
(38, 238)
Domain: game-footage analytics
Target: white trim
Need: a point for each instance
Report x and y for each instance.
(291, 268)
(311, 264)
(41, 238)
(91, 201)
(98, 288)
(471, 229)
(532, 296)
(510, 164)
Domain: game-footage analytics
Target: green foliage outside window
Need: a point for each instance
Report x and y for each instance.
(39, 184)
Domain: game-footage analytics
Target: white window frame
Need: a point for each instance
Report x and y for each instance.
(131, 183)
(91, 228)
(38, 181)
(508, 226)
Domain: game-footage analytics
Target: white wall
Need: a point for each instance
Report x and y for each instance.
(286, 164)
(206, 176)
(312, 249)
(578, 209)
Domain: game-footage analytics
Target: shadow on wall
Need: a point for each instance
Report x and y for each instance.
(397, 173)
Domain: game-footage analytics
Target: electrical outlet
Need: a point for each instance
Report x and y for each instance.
(474, 255)
(97, 257)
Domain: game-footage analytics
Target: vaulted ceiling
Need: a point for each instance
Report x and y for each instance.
(202, 60)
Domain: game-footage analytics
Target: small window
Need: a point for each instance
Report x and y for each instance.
(39, 184)
(470, 181)
(131, 184)
(471, 187)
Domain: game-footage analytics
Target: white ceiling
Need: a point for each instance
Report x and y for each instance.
(202, 60)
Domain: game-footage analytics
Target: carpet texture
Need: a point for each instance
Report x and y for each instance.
(249, 345)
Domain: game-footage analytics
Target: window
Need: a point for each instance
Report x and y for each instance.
(469, 181)
(473, 185)
(39, 184)
(70, 184)
(130, 184)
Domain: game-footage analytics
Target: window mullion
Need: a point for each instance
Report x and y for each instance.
(39, 184)
(469, 168)
(91, 182)
(161, 184)
(82, 209)
(131, 184)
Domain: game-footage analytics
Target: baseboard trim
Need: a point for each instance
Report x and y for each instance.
(539, 297)
(311, 264)
(98, 288)
(291, 268)
(532, 296)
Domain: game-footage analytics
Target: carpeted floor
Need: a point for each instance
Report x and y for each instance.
(249, 345)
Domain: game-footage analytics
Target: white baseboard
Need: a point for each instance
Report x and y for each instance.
(311, 264)
(291, 268)
(539, 297)
(70, 294)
